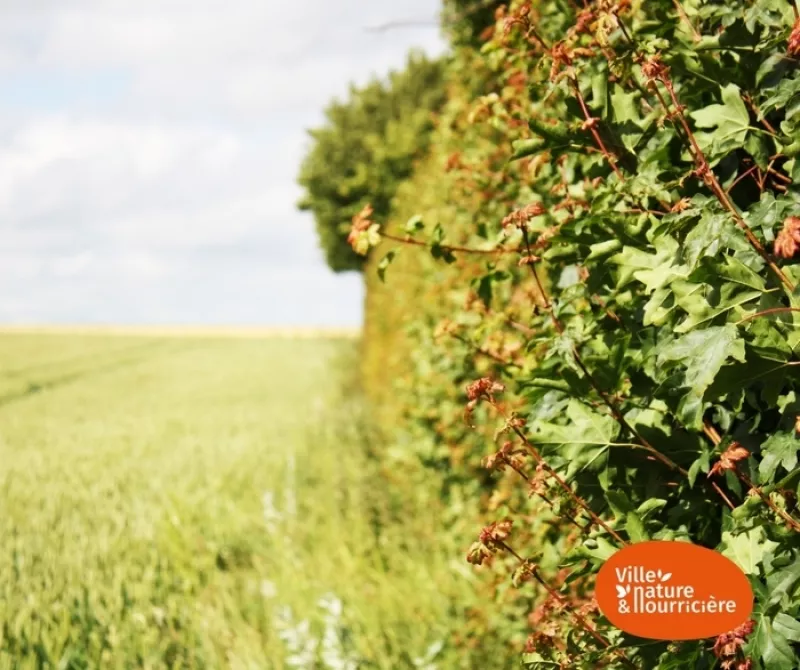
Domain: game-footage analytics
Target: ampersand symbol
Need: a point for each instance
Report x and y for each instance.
(624, 607)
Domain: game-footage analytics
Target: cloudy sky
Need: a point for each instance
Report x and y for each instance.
(148, 152)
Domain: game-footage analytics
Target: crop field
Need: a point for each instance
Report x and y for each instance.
(206, 502)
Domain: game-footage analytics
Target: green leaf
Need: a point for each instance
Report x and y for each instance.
(438, 250)
(528, 147)
(625, 513)
(730, 120)
(714, 233)
(760, 148)
(771, 645)
(624, 105)
(600, 92)
(535, 661)
(702, 353)
(414, 224)
(778, 449)
(544, 382)
(483, 285)
(702, 464)
(437, 236)
(619, 503)
(787, 626)
(781, 583)
(384, 264)
(782, 95)
(582, 443)
(603, 249)
(748, 549)
(653, 270)
(650, 506)
(768, 214)
(635, 528)
(735, 271)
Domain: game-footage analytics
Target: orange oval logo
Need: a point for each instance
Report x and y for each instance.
(673, 591)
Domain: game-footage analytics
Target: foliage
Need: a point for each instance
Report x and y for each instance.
(612, 233)
(212, 503)
(466, 21)
(368, 145)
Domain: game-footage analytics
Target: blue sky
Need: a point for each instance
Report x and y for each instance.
(148, 154)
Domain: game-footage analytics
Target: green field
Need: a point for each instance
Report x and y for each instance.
(208, 502)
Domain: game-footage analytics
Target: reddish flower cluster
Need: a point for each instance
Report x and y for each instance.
(654, 68)
(492, 535)
(518, 18)
(484, 387)
(583, 24)
(363, 231)
(453, 162)
(505, 456)
(361, 221)
(561, 57)
(528, 260)
(517, 81)
(538, 483)
(520, 217)
(481, 388)
(523, 573)
(682, 205)
(793, 48)
(541, 617)
(541, 640)
(445, 327)
(590, 123)
(729, 458)
(497, 531)
(788, 241)
(728, 646)
(589, 608)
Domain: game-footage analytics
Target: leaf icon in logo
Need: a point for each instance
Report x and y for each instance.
(666, 576)
(621, 592)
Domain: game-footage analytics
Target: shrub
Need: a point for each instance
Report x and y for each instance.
(612, 228)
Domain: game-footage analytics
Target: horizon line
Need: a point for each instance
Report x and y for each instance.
(182, 329)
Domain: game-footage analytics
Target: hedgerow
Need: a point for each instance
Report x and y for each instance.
(590, 316)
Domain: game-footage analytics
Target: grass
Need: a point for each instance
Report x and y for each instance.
(209, 502)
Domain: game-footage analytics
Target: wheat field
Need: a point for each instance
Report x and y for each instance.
(174, 500)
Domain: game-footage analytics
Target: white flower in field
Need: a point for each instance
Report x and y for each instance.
(139, 619)
(332, 605)
(333, 653)
(159, 615)
(268, 589)
(272, 515)
(290, 501)
(302, 647)
(426, 662)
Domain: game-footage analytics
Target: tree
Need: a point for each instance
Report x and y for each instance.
(366, 149)
(465, 21)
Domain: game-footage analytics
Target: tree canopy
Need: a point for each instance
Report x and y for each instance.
(366, 148)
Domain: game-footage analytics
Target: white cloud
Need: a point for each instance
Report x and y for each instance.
(149, 152)
(73, 264)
